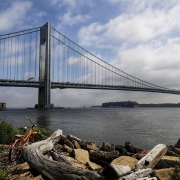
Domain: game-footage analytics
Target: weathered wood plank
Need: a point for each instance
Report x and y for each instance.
(138, 174)
(152, 158)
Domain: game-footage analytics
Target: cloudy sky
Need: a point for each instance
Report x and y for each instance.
(139, 37)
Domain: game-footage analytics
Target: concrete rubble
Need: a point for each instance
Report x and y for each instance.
(115, 162)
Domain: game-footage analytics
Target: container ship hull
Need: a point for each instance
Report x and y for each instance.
(122, 104)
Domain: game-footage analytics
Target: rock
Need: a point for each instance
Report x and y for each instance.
(81, 155)
(92, 146)
(23, 178)
(22, 168)
(152, 158)
(98, 161)
(122, 151)
(94, 166)
(177, 145)
(58, 147)
(177, 151)
(108, 147)
(129, 147)
(143, 153)
(76, 144)
(174, 150)
(27, 176)
(83, 144)
(67, 142)
(164, 174)
(125, 160)
(171, 153)
(38, 178)
(67, 148)
(167, 162)
(71, 137)
(148, 178)
(114, 171)
(105, 156)
(76, 162)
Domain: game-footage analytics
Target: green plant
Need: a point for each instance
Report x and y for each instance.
(7, 132)
(45, 133)
(176, 173)
(42, 131)
(4, 174)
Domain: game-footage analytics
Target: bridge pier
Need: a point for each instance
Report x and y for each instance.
(44, 95)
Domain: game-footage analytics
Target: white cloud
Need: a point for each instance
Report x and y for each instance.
(19, 97)
(70, 4)
(130, 28)
(142, 38)
(155, 62)
(14, 15)
(71, 20)
(91, 34)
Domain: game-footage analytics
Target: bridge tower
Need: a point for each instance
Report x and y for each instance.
(44, 95)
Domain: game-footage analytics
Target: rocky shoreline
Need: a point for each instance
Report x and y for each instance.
(100, 159)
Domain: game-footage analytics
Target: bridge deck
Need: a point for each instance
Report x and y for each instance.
(37, 84)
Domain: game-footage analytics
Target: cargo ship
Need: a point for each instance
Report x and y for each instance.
(120, 104)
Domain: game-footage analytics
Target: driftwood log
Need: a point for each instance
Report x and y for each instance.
(61, 168)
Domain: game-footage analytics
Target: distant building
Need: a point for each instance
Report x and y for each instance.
(2, 106)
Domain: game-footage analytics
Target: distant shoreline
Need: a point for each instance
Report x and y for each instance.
(151, 105)
(160, 105)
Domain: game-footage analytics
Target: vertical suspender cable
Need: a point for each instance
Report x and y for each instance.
(8, 59)
(15, 60)
(98, 73)
(53, 61)
(77, 67)
(66, 63)
(95, 72)
(112, 76)
(11, 60)
(64, 60)
(102, 75)
(68, 55)
(81, 67)
(58, 60)
(24, 57)
(0, 60)
(35, 78)
(30, 54)
(29, 57)
(3, 58)
(17, 57)
(21, 58)
(70, 65)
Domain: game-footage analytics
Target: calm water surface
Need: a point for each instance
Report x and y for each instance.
(143, 127)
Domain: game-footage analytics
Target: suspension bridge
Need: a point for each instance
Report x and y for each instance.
(44, 58)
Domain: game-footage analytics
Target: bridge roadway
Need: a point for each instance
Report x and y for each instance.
(64, 85)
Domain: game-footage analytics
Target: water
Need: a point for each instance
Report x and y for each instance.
(143, 127)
